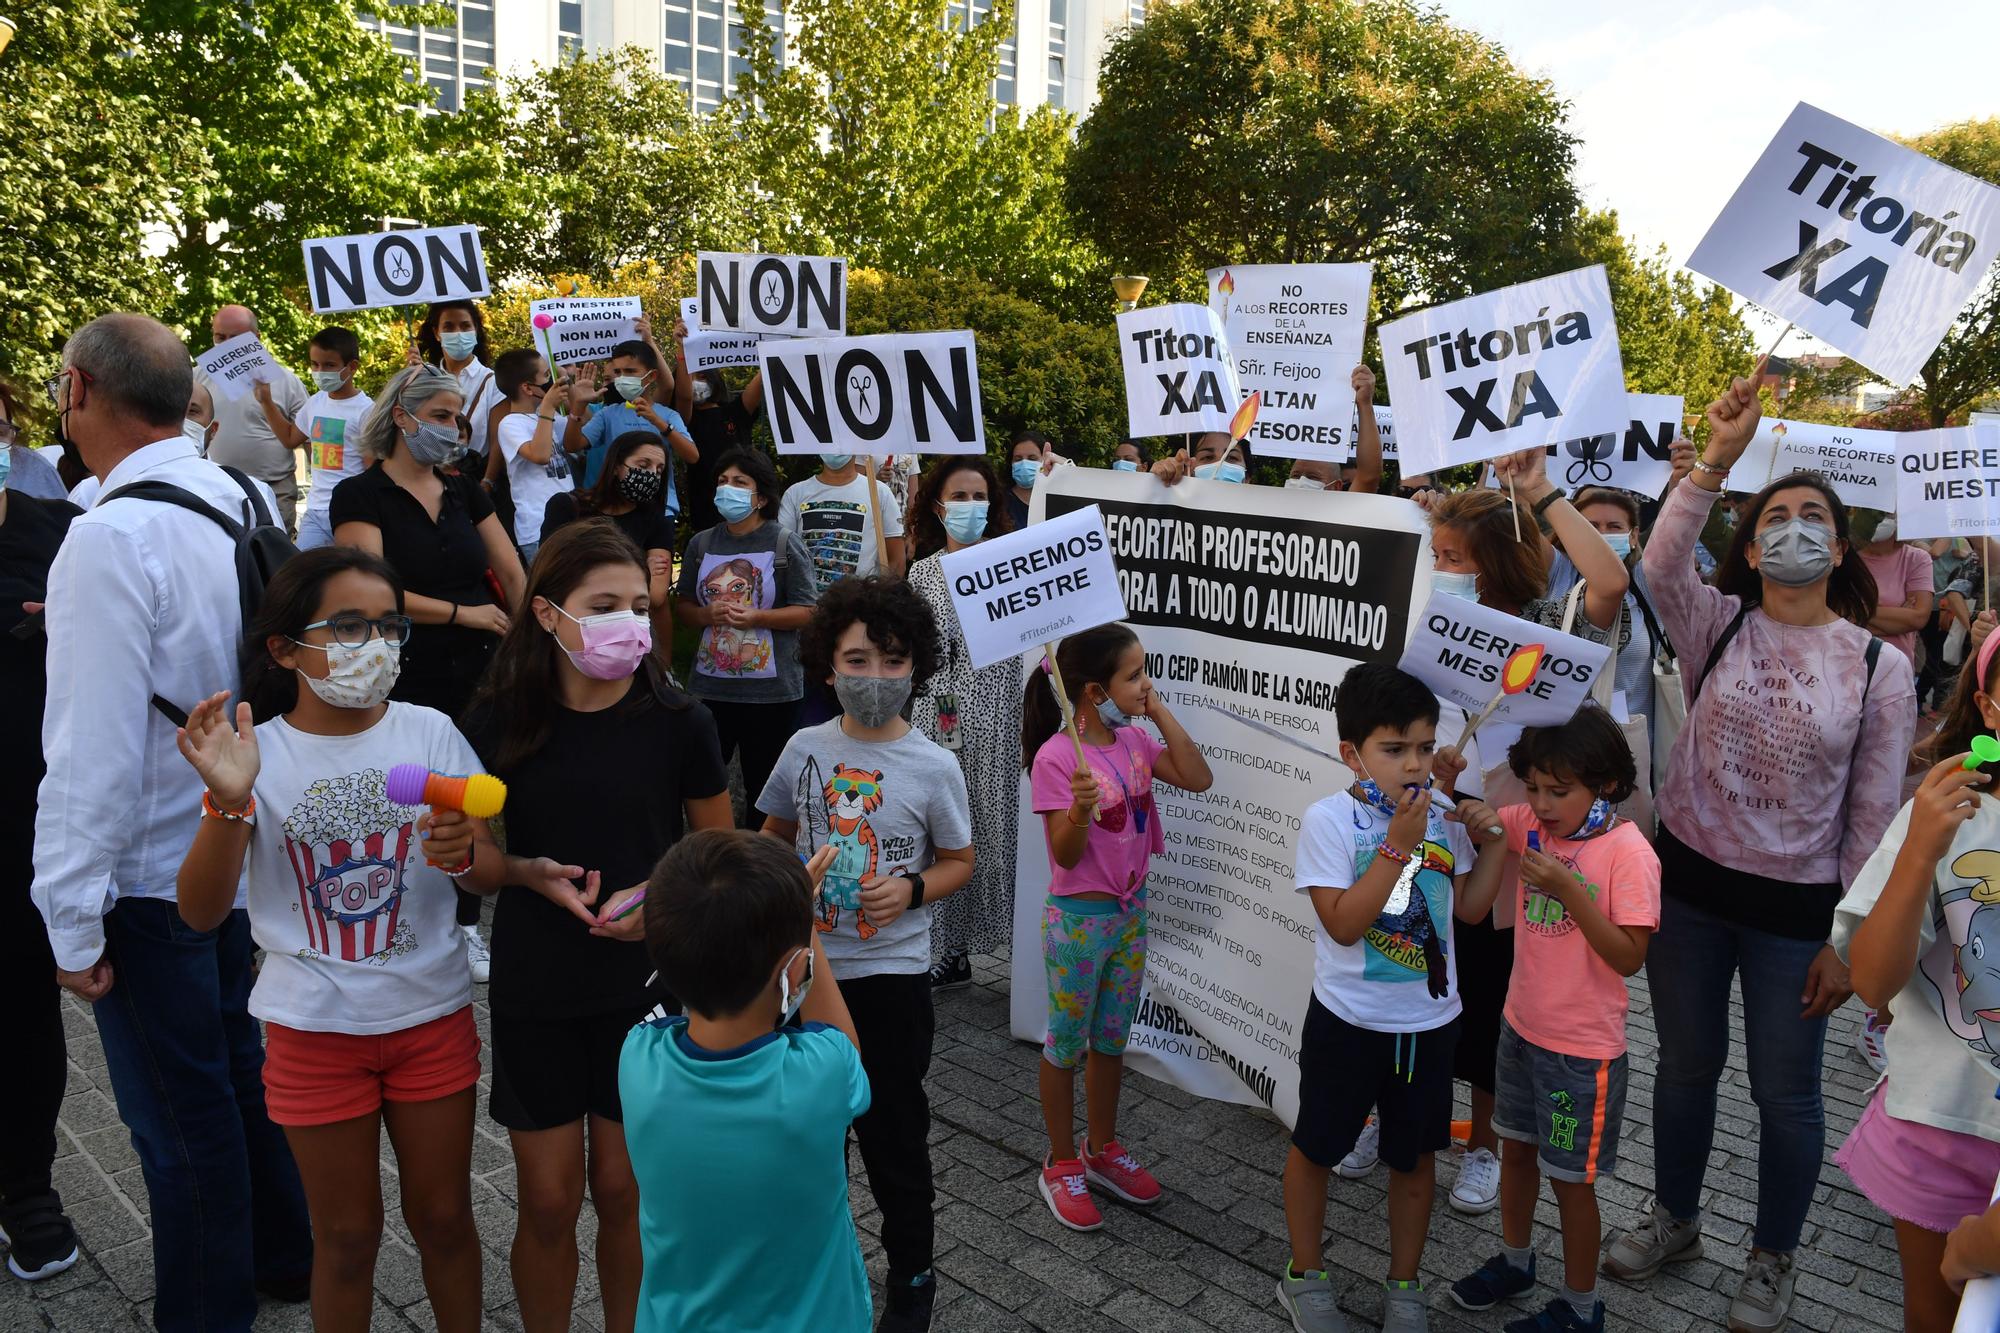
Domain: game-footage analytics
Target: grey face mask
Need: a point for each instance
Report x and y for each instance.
(433, 444)
(871, 700)
(1795, 553)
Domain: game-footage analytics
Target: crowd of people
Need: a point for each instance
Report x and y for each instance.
(697, 993)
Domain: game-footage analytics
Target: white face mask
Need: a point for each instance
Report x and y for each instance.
(195, 431)
(356, 677)
(1303, 484)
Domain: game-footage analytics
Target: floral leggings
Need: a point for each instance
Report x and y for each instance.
(1095, 952)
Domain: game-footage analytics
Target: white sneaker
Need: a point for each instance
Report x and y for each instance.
(1868, 1040)
(1367, 1151)
(1478, 1186)
(476, 952)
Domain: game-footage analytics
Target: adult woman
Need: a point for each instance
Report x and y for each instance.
(1027, 458)
(1782, 782)
(453, 338)
(1130, 456)
(439, 533)
(1216, 457)
(605, 764)
(975, 712)
(629, 493)
(749, 584)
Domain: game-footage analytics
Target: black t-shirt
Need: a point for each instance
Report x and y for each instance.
(28, 542)
(716, 429)
(605, 792)
(650, 529)
(1017, 509)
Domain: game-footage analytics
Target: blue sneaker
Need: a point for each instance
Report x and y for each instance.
(1495, 1282)
(1559, 1316)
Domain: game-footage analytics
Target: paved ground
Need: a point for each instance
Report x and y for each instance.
(1202, 1259)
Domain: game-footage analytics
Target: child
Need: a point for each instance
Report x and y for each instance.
(738, 1113)
(1102, 831)
(1588, 894)
(830, 513)
(1383, 862)
(892, 805)
(329, 425)
(537, 471)
(1920, 929)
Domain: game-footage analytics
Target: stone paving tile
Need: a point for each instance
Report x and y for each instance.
(1203, 1259)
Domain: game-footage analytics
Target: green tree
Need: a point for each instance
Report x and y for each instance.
(1291, 131)
(1966, 366)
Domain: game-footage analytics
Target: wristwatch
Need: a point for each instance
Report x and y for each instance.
(1542, 505)
(916, 890)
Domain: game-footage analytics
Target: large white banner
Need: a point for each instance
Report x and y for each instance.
(1528, 365)
(1296, 330)
(1020, 591)
(1855, 239)
(584, 328)
(1252, 603)
(886, 393)
(384, 268)
(1640, 460)
(803, 295)
(1948, 482)
(1860, 464)
(1179, 374)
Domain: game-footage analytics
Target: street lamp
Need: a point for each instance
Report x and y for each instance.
(6, 33)
(1129, 288)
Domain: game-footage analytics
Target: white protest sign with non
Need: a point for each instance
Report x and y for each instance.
(885, 393)
(1460, 647)
(585, 328)
(1855, 239)
(234, 364)
(1948, 482)
(1639, 460)
(1296, 330)
(1528, 365)
(1252, 603)
(802, 295)
(1860, 464)
(383, 268)
(1179, 374)
(1032, 587)
(714, 351)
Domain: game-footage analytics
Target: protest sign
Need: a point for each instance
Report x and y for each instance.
(714, 351)
(1860, 464)
(1296, 331)
(1528, 365)
(887, 393)
(1855, 239)
(382, 268)
(1460, 647)
(1032, 587)
(1640, 460)
(585, 328)
(1385, 427)
(1179, 375)
(234, 364)
(1948, 482)
(1252, 603)
(797, 294)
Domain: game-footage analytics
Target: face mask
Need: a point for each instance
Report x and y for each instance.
(1619, 542)
(195, 431)
(613, 644)
(356, 677)
(790, 1000)
(1796, 552)
(835, 462)
(1124, 465)
(1303, 484)
(459, 346)
(1885, 531)
(1111, 715)
(434, 444)
(1025, 471)
(702, 393)
(1371, 792)
(329, 381)
(639, 486)
(1229, 472)
(1593, 822)
(1464, 586)
(965, 520)
(629, 386)
(871, 700)
(6, 463)
(734, 503)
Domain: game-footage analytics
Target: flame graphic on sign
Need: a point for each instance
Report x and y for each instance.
(1228, 283)
(1246, 416)
(1519, 670)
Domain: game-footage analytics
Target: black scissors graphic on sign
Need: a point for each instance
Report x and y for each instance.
(1592, 455)
(861, 386)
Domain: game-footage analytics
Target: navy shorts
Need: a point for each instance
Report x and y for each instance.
(1347, 1071)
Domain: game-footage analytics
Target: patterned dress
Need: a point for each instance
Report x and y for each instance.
(985, 733)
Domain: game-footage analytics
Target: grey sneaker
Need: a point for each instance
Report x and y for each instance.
(1404, 1310)
(1311, 1302)
(1654, 1243)
(1764, 1298)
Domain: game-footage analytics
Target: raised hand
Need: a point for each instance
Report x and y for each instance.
(1733, 418)
(1363, 381)
(225, 756)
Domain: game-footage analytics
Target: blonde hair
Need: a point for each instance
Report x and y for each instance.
(1512, 572)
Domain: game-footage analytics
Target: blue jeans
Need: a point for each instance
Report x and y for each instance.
(187, 1066)
(1688, 968)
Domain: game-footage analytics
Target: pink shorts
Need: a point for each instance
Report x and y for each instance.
(1931, 1177)
(320, 1078)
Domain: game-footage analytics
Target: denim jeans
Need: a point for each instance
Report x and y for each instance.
(187, 1064)
(1688, 969)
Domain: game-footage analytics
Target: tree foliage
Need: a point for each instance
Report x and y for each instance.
(1966, 366)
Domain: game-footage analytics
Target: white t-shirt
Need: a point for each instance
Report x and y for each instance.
(836, 527)
(481, 393)
(332, 427)
(360, 934)
(1383, 981)
(533, 483)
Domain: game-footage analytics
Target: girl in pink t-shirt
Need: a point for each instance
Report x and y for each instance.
(1102, 829)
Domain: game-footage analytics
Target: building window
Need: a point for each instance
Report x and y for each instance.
(703, 46)
(1058, 48)
(963, 16)
(569, 27)
(453, 59)
(1136, 12)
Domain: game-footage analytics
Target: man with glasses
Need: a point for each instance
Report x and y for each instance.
(143, 621)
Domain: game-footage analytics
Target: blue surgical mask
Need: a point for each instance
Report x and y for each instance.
(1112, 715)
(459, 346)
(1123, 465)
(835, 462)
(1619, 542)
(1371, 792)
(6, 462)
(1225, 471)
(1452, 584)
(734, 503)
(1025, 470)
(329, 381)
(965, 520)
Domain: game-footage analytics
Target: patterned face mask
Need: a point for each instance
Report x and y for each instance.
(1371, 792)
(1593, 822)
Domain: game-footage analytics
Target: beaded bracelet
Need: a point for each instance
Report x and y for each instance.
(1400, 858)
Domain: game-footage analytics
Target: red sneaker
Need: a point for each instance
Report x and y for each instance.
(1114, 1170)
(1068, 1195)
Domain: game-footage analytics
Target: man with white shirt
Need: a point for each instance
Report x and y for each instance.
(143, 604)
(243, 438)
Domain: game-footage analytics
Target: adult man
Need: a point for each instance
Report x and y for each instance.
(243, 438)
(143, 604)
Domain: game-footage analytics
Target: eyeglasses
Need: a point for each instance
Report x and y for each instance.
(54, 383)
(9, 433)
(354, 631)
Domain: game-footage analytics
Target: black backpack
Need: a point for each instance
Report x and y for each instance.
(262, 545)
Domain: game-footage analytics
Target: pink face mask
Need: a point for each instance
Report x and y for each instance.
(613, 644)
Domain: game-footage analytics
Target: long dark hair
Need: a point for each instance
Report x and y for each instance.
(923, 521)
(756, 465)
(1089, 658)
(432, 349)
(606, 490)
(1963, 720)
(1850, 590)
(291, 602)
(520, 691)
